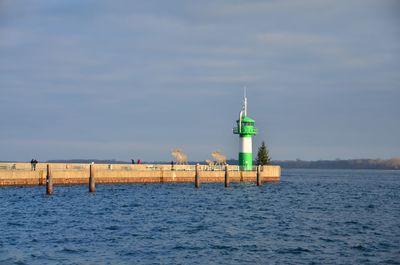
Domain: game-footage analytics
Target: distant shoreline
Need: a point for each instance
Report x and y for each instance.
(384, 164)
(388, 164)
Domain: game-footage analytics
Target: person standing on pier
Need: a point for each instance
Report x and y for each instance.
(33, 164)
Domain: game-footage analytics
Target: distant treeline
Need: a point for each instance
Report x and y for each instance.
(393, 163)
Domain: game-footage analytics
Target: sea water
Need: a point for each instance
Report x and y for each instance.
(309, 217)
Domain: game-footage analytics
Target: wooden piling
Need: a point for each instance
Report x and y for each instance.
(197, 177)
(161, 175)
(92, 184)
(226, 176)
(259, 183)
(49, 181)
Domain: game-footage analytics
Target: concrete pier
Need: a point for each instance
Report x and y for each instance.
(19, 174)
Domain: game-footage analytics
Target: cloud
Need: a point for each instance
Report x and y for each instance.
(99, 70)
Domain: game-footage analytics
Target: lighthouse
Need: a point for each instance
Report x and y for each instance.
(245, 128)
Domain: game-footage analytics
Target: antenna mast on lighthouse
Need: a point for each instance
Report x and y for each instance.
(245, 103)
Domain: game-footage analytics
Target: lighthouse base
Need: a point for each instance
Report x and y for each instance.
(246, 161)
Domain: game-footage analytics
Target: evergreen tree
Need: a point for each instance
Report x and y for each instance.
(263, 155)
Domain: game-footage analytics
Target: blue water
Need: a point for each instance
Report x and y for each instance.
(309, 217)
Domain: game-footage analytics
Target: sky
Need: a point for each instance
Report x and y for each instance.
(134, 79)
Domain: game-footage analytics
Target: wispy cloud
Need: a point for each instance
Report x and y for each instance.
(293, 39)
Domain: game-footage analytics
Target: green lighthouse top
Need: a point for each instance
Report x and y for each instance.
(247, 120)
(245, 124)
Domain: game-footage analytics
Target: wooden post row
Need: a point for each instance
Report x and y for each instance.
(49, 181)
(92, 184)
(259, 183)
(197, 177)
(226, 176)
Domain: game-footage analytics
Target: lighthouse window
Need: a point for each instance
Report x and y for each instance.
(247, 124)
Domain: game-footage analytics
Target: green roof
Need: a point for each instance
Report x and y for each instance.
(247, 119)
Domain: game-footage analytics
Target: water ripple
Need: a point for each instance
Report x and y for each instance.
(309, 217)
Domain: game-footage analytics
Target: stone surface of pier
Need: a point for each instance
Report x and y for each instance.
(19, 174)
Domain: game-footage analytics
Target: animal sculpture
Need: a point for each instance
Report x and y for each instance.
(180, 156)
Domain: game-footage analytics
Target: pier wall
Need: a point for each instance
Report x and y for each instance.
(18, 174)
